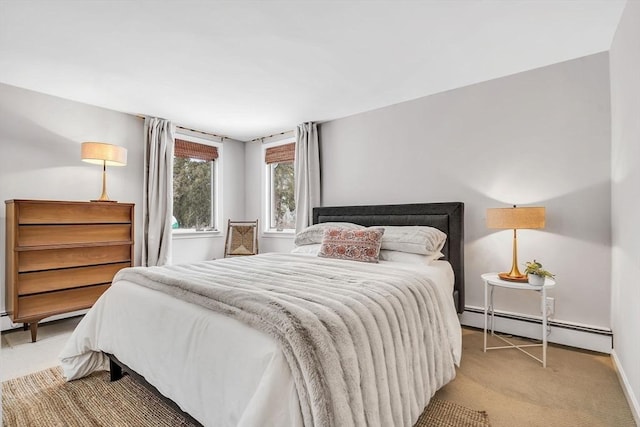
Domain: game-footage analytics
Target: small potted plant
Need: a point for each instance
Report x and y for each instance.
(536, 274)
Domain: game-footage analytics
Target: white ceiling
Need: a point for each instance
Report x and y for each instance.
(246, 69)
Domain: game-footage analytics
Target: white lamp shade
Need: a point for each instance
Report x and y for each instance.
(99, 152)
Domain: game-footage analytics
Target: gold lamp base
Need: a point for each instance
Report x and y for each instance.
(510, 278)
(514, 275)
(104, 197)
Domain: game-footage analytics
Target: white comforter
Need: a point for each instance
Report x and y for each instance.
(221, 371)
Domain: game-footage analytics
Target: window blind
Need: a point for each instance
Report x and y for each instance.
(193, 150)
(280, 153)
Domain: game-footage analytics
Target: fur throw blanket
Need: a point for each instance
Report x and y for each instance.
(366, 343)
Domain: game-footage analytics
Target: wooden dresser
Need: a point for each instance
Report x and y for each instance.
(61, 256)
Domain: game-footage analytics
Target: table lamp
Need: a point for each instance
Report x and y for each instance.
(103, 154)
(515, 218)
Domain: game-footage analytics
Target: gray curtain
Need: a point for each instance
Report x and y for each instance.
(157, 208)
(307, 174)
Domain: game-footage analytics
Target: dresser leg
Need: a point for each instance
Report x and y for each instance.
(34, 330)
(25, 326)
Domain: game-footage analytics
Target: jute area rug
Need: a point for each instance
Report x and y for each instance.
(45, 399)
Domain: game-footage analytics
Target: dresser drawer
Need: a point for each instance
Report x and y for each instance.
(48, 304)
(62, 255)
(72, 257)
(72, 213)
(48, 235)
(53, 280)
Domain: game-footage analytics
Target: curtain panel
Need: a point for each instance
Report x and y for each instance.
(157, 208)
(307, 173)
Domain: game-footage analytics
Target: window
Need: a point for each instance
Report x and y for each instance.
(194, 186)
(280, 187)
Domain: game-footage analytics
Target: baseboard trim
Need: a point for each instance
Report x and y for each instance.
(566, 333)
(6, 324)
(626, 387)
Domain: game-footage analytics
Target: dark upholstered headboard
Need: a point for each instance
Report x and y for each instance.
(447, 217)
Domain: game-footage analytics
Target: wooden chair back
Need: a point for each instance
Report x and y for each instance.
(241, 239)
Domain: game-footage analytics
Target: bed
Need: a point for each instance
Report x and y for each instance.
(224, 361)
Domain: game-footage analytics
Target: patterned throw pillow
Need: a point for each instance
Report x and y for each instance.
(356, 245)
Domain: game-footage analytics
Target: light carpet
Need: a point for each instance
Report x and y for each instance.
(577, 388)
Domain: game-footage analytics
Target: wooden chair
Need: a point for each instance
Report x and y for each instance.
(242, 238)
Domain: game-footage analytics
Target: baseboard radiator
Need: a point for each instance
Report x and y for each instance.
(560, 332)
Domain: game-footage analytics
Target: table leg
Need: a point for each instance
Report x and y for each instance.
(492, 309)
(544, 327)
(485, 316)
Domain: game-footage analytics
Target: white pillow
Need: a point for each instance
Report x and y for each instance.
(313, 234)
(414, 239)
(307, 249)
(394, 256)
(409, 258)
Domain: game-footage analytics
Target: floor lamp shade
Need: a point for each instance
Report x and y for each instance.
(103, 154)
(515, 218)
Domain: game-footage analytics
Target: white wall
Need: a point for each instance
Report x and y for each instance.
(625, 131)
(40, 139)
(540, 137)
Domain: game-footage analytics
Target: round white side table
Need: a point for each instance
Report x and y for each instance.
(491, 281)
